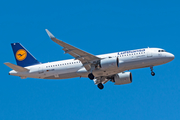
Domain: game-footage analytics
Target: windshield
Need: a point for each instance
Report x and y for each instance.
(161, 51)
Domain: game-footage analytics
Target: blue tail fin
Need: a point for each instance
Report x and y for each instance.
(22, 56)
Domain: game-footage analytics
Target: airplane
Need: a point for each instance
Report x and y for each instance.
(99, 68)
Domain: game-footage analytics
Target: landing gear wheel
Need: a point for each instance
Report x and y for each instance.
(91, 76)
(152, 73)
(100, 86)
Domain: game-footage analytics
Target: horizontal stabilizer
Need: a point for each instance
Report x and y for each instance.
(16, 67)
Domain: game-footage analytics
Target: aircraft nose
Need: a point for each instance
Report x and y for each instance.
(170, 56)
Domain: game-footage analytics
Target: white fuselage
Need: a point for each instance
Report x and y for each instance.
(71, 68)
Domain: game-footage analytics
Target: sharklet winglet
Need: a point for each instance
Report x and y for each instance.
(49, 34)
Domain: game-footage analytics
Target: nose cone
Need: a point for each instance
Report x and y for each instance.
(170, 56)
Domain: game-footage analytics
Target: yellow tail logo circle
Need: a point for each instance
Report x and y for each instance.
(21, 54)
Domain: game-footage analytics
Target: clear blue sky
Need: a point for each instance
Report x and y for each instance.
(96, 26)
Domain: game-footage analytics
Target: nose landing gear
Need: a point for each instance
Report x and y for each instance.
(152, 73)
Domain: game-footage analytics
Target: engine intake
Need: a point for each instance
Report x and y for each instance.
(123, 78)
(109, 63)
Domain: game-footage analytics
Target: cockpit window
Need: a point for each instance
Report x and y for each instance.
(161, 51)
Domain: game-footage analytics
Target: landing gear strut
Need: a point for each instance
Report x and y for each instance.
(100, 86)
(91, 76)
(152, 73)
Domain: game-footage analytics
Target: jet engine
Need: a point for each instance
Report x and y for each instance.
(109, 63)
(122, 78)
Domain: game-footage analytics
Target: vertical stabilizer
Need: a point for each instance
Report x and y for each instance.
(22, 56)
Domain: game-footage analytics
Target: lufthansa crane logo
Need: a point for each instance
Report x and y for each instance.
(21, 54)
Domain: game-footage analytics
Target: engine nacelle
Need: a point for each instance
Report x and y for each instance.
(123, 78)
(109, 63)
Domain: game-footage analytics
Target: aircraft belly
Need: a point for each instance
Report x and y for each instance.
(107, 72)
(61, 73)
(62, 76)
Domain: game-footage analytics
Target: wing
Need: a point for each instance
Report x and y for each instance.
(86, 59)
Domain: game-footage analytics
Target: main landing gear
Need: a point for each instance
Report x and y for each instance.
(91, 76)
(152, 73)
(100, 86)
